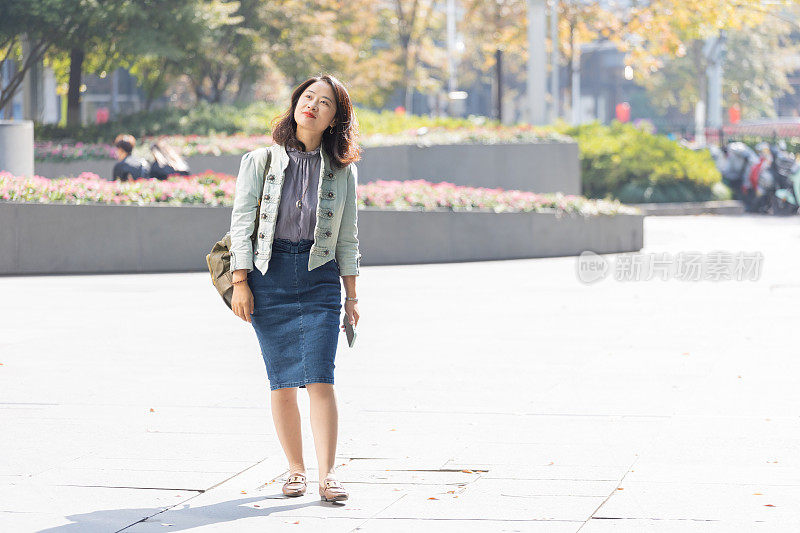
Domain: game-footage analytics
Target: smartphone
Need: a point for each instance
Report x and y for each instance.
(349, 331)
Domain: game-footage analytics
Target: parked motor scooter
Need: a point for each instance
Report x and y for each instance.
(786, 193)
(733, 162)
(759, 182)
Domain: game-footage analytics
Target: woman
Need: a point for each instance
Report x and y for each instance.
(166, 161)
(308, 216)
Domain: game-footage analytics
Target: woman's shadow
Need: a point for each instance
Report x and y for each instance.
(179, 517)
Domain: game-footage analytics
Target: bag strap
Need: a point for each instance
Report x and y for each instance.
(261, 194)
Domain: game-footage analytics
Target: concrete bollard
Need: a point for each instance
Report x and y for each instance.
(16, 147)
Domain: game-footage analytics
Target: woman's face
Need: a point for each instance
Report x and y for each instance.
(316, 108)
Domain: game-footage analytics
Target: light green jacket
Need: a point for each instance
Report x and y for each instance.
(336, 229)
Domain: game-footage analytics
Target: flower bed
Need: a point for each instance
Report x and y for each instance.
(191, 145)
(216, 189)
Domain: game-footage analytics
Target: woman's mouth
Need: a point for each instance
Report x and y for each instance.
(306, 113)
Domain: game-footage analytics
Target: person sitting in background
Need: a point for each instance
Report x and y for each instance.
(128, 166)
(166, 161)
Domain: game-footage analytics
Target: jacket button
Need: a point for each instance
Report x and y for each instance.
(330, 213)
(327, 233)
(255, 253)
(266, 197)
(327, 252)
(330, 194)
(263, 215)
(271, 177)
(261, 235)
(330, 174)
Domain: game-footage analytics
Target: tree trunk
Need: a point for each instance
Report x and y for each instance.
(154, 88)
(498, 62)
(76, 56)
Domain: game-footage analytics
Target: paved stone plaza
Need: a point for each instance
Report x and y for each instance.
(483, 396)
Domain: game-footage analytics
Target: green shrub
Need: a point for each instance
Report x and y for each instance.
(624, 162)
(250, 119)
(201, 119)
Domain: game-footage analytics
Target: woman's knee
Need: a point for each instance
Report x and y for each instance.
(319, 388)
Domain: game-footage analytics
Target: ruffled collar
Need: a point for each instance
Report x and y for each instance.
(297, 153)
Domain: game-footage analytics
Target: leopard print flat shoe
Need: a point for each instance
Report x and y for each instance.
(295, 485)
(332, 491)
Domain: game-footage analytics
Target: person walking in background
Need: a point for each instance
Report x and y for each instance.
(128, 166)
(307, 239)
(166, 161)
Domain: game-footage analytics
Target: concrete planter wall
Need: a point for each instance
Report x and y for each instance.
(61, 239)
(536, 167)
(227, 164)
(542, 167)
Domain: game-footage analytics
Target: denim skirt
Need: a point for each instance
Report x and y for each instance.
(296, 315)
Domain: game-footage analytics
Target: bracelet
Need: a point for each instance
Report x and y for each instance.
(240, 281)
(351, 298)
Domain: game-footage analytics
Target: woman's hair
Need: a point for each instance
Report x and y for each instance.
(125, 142)
(342, 144)
(166, 155)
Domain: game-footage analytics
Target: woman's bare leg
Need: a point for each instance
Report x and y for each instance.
(286, 416)
(324, 426)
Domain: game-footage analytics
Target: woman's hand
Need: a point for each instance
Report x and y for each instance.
(351, 310)
(242, 301)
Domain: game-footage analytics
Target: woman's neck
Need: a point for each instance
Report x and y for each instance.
(309, 139)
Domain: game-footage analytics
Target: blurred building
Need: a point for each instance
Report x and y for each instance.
(102, 96)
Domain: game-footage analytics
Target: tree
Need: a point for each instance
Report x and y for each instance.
(496, 32)
(756, 71)
(36, 26)
(414, 23)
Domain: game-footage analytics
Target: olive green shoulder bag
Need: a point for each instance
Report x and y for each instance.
(219, 260)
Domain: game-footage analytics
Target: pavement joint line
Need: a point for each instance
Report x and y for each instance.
(207, 433)
(163, 510)
(551, 495)
(378, 512)
(515, 414)
(469, 519)
(664, 519)
(636, 458)
(432, 470)
(127, 487)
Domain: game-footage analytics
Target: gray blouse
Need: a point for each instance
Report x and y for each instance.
(302, 174)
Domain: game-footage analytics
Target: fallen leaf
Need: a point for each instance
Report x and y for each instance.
(468, 471)
(620, 488)
(738, 376)
(757, 494)
(152, 410)
(768, 505)
(297, 522)
(432, 498)
(451, 492)
(551, 462)
(244, 492)
(256, 505)
(392, 430)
